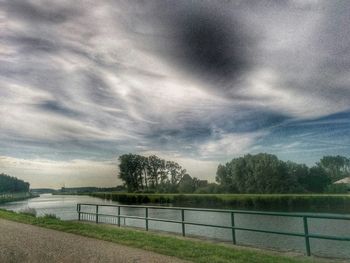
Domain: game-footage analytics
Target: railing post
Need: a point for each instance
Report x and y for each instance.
(233, 228)
(146, 215)
(118, 215)
(78, 209)
(96, 214)
(183, 221)
(307, 239)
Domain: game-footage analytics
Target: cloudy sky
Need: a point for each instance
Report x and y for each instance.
(198, 82)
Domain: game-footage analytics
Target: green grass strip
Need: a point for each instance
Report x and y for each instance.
(188, 249)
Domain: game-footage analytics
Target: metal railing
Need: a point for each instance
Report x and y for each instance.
(94, 216)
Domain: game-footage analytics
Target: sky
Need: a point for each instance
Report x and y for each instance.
(197, 82)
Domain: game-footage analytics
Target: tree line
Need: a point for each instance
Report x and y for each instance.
(9, 184)
(259, 173)
(153, 174)
(265, 173)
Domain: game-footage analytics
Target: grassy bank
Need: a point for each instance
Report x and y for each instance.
(11, 197)
(339, 203)
(196, 251)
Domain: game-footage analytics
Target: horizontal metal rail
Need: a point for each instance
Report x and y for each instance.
(304, 216)
(227, 211)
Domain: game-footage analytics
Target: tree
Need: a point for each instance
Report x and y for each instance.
(298, 173)
(317, 180)
(175, 173)
(156, 167)
(260, 173)
(130, 171)
(145, 168)
(140, 173)
(9, 184)
(222, 176)
(337, 167)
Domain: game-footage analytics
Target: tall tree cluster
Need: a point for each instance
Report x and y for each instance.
(9, 184)
(140, 173)
(265, 173)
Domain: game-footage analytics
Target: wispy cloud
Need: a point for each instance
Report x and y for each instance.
(93, 80)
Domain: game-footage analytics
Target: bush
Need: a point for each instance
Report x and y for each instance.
(337, 189)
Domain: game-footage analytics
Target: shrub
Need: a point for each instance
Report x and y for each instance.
(337, 188)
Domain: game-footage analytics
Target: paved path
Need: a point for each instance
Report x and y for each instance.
(27, 243)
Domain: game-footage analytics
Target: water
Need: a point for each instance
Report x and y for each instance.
(64, 206)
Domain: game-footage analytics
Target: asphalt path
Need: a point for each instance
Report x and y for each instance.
(27, 243)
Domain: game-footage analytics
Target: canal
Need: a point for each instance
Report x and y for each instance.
(64, 206)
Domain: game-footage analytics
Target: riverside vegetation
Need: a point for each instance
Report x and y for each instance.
(184, 248)
(330, 203)
(254, 174)
(259, 182)
(13, 189)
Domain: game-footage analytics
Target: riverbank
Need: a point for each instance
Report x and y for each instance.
(183, 248)
(327, 203)
(12, 197)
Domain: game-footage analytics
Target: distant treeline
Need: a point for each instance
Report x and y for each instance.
(9, 184)
(261, 173)
(88, 189)
(265, 173)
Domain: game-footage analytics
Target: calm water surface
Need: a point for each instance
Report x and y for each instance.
(64, 206)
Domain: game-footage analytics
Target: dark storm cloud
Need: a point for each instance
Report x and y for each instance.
(223, 44)
(209, 41)
(212, 45)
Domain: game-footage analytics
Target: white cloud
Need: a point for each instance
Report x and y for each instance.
(229, 145)
(266, 88)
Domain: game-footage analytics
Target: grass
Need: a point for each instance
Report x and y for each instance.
(187, 249)
(334, 203)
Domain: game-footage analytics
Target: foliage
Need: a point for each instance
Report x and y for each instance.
(265, 173)
(9, 184)
(329, 203)
(337, 188)
(187, 249)
(316, 180)
(260, 173)
(186, 185)
(211, 188)
(153, 174)
(337, 167)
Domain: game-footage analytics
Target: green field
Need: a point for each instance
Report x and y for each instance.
(333, 203)
(184, 248)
